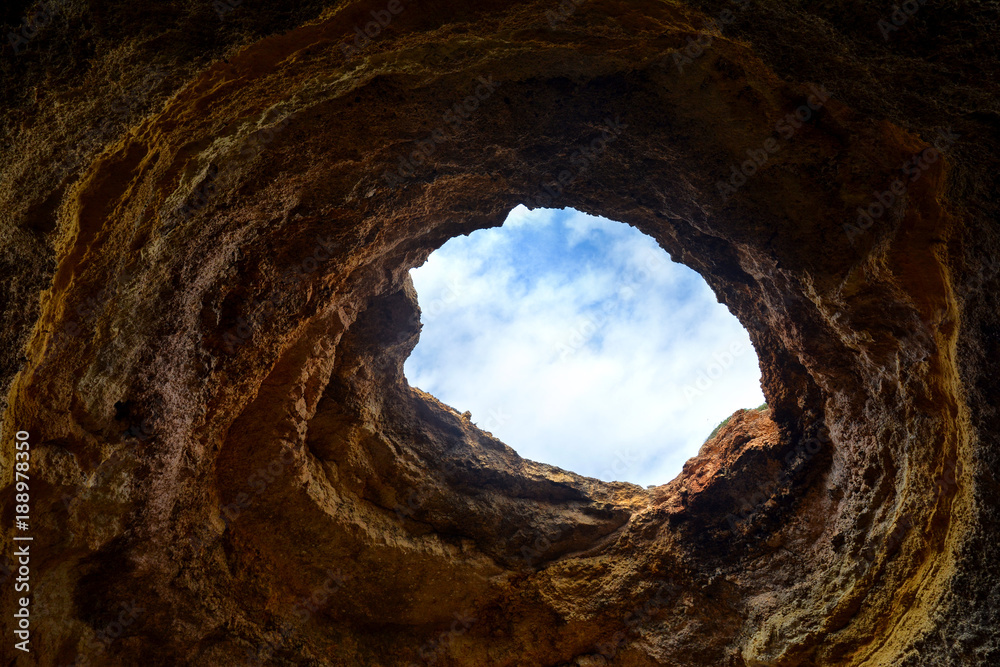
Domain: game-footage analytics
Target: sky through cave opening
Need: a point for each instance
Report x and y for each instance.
(578, 342)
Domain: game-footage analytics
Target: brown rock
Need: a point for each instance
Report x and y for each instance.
(208, 221)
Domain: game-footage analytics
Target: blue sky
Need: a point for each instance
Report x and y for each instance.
(576, 341)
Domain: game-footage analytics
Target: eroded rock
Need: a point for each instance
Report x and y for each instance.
(208, 310)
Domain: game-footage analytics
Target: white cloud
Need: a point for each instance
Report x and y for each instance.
(521, 216)
(577, 342)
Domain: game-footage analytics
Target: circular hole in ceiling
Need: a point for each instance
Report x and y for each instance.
(578, 342)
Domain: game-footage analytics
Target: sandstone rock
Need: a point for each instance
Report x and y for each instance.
(209, 215)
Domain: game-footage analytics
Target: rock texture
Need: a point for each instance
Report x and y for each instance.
(209, 211)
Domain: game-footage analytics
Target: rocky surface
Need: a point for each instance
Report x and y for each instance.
(209, 211)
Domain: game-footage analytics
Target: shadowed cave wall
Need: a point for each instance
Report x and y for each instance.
(208, 229)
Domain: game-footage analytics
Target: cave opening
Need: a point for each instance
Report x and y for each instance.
(578, 342)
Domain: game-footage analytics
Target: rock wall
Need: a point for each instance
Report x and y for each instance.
(209, 213)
